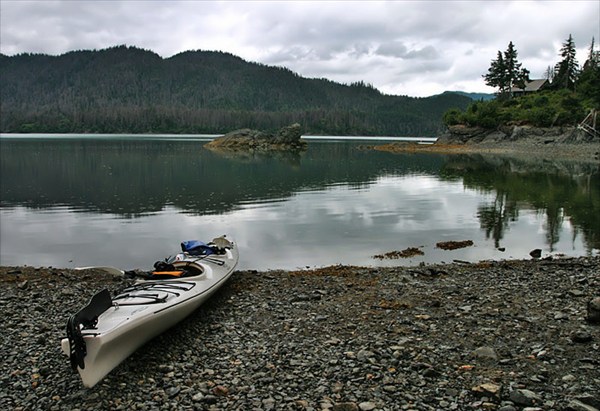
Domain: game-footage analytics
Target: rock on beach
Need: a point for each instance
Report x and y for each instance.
(360, 338)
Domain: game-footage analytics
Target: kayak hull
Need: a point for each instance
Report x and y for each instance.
(146, 310)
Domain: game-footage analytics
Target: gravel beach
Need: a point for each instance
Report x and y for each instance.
(507, 335)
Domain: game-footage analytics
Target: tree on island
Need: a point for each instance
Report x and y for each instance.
(506, 72)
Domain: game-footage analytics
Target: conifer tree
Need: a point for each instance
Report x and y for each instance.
(506, 72)
(515, 74)
(549, 73)
(593, 59)
(496, 74)
(588, 83)
(567, 69)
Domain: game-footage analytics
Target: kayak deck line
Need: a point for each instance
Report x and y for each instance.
(207, 291)
(172, 287)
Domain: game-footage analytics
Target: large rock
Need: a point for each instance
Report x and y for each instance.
(289, 135)
(461, 134)
(288, 138)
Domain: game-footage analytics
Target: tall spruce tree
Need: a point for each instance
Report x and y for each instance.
(593, 59)
(588, 83)
(567, 69)
(549, 73)
(496, 76)
(506, 72)
(515, 74)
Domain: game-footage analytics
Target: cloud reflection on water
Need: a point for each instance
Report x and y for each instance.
(335, 204)
(336, 225)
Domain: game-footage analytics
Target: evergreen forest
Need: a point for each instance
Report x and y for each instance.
(571, 92)
(131, 90)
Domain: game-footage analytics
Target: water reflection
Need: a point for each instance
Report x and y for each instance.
(125, 202)
(133, 178)
(559, 190)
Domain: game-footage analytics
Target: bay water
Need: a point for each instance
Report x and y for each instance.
(128, 201)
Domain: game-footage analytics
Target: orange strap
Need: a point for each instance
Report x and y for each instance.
(172, 273)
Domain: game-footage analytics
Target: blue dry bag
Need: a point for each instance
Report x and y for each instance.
(195, 247)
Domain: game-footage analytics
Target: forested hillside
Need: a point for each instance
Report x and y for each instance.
(130, 90)
(569, 94)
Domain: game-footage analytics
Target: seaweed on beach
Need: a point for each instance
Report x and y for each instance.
(406, 253)
(453, 245)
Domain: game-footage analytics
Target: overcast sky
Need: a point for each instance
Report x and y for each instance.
(415, 48)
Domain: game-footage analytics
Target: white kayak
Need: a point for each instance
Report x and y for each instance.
(106, 331)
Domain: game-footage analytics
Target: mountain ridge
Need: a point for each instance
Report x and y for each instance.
(128, 89)
(474, 95)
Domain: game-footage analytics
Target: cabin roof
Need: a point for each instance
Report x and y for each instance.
(532, 85)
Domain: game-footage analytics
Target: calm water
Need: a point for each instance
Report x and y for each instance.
(128, 201)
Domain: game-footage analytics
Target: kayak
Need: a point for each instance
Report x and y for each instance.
(109, 329)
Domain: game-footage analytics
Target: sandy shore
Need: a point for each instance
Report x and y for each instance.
(508, 335)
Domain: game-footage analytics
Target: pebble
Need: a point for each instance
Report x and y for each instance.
(485, 353)
(593, 310)
(367, 406)
(525, 397)
(503, 336)
(487, 390)
(576, 405)
(581, 336)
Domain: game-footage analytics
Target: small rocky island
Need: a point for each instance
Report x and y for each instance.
(286, 139)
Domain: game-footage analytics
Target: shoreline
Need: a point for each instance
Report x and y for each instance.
(495, 335)
(557, 143)
(584, 152)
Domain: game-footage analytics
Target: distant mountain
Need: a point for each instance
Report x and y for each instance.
(131, 90)
(474, 96)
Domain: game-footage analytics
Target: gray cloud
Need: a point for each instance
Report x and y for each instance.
(401, 47)
(399, 50)
(392, 49)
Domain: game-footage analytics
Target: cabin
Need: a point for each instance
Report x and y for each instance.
(531, 86)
